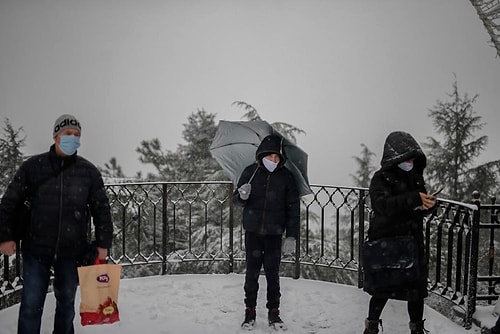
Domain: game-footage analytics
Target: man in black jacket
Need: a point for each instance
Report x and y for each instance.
(66, 190)
(268, 193)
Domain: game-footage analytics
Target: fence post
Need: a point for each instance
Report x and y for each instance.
(296, 259)
(231, 228)
(491, 251)
(474, 255)
(296, 271)
(361, 223)
(164, 234)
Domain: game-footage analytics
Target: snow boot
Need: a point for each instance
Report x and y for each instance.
(371, 326)
(273, 316)
(417, 327)
(249, 318)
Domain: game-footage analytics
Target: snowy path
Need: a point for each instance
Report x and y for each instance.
(213, 304)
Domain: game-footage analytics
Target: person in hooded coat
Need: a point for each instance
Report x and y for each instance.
(268, 193)
(400, 201)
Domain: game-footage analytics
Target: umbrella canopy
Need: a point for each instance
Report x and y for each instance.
(236, 142)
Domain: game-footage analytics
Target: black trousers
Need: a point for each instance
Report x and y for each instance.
(415, 309)
(262, 250)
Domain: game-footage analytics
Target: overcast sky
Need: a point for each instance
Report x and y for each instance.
(346, 72)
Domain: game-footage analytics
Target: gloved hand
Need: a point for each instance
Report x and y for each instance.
(244, 191)
(289, 246)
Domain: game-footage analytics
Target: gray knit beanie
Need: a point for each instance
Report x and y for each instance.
(65, 121)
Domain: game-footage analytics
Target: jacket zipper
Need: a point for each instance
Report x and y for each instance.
(265, 205)
(59, 224)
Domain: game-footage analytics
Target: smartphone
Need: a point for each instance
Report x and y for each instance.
(438, 191)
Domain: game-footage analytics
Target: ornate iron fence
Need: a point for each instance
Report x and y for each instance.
(192, 227)
(488, 263)
(451, 249)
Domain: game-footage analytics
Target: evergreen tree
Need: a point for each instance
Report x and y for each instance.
(287, 130)
(192, 161)
(151, 152)
(112, 169)
(365, 168)
(195, 157)
(451, 161)
(11, 157)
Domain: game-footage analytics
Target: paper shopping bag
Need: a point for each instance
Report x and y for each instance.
(99, 286)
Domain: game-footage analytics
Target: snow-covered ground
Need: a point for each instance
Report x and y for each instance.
(213, 304)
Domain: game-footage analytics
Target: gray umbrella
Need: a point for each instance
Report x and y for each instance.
(236, 142)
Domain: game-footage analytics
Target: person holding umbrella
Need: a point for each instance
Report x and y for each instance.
(267, 191)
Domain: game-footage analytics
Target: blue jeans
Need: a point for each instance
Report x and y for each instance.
(36, 275)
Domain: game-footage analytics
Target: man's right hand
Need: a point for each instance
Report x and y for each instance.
(8, 247)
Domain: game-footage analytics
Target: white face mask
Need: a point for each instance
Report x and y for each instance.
(406, 166)
(270, 165)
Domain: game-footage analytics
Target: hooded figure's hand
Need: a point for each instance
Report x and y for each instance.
(428, 201)
(8, 247)
(244, 191)
(289, 246)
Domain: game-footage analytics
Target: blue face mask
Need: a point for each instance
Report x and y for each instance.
(69, 144)
(406, 166)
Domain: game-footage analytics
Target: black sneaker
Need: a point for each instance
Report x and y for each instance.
(273, 316)
(249, 318)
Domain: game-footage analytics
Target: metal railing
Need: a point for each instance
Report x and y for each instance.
(451, 250)
(488, 264)
(192, 227)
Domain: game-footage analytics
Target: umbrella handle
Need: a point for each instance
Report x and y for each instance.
(255, 171)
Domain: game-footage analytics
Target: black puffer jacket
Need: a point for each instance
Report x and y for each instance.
(60, 206)
(394, 196)
(273, 207)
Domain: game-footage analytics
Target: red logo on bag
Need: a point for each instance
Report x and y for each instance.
(103, 278)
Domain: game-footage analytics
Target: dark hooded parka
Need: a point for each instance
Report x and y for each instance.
(274, 206)
(395, 200)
